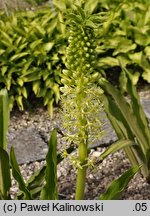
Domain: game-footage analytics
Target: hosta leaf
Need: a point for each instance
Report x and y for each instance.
(56, 92)
(124, 46)
(60, 5)
(20, 81)
(18, 41)
(52, 26)
(18, 56)
(5, 43)
(21, 47)
(42, 92)
(117, 187)
(61, 24)
(40, 30)
(50, 107)
(2, 51)
(48, 96)
(24, 92)
(108, 61)
(36, 86)
(6, 37)
(91, 5)
(48, 46)
(146, 75)
(136, 57)
(147, 51)
(4, 70)
(18, 99)
(34, 44)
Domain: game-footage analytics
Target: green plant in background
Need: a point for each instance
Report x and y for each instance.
(130, 123)
(31, 55)
(124, 37)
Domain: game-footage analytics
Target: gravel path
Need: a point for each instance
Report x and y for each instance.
(29, 133)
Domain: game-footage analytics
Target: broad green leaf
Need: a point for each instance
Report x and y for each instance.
(56, 90)
(48, 97)
(2, 51)
(91, 5)
(36, 86)
(48, 46)
(49, 191)
(124, 59)
(61, 23)
(4, 117)
(20, 81)
(5, 181)
(52, 26)
(5, 43)
(124, 46)
(17, 175)
(59, 5)
(147, 51)
(6, 37)
(146, 75)
(41, 30)
(24, 92)
(116, 147)
(18, 99)
(136, 57)
(34, 44)
(42, 92)
(108, 61)
(117, 187)
(4, 70)
(50, 107)
(31, 76)
(18, 56)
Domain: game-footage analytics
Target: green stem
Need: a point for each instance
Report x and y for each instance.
(81, 175)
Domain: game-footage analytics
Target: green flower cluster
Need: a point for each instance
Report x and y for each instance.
(81, 99)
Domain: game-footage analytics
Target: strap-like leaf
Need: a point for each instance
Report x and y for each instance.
(49, 191)
(17, 175)
(116, 147)
(4, 117)
(127, 113)
(118, 186)
(5, 181)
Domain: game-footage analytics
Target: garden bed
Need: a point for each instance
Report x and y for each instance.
(98, 177)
